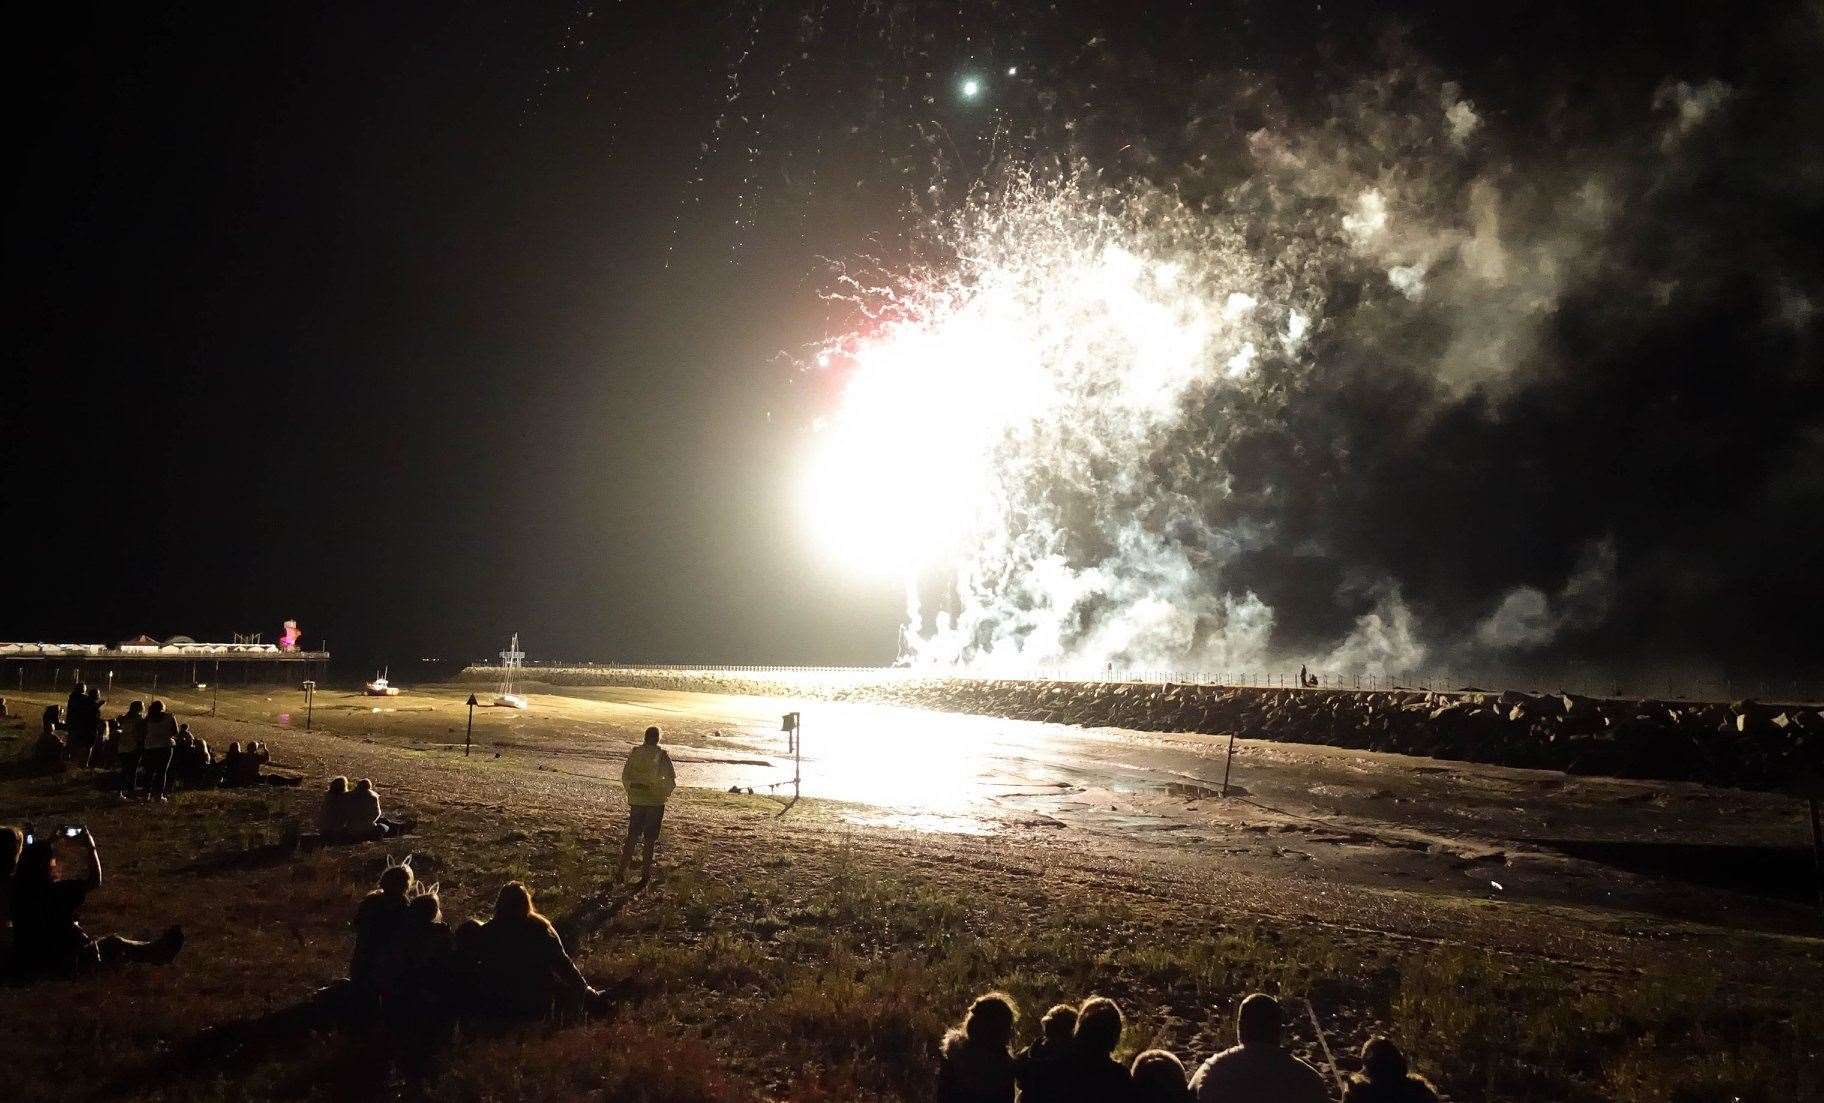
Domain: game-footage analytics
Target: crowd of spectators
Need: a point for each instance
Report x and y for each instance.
(149, 752)
(411, 972)
(1072, 1061)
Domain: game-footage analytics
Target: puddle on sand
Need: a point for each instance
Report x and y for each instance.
(928, 823)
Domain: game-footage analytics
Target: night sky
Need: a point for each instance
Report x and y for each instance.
(426, 324)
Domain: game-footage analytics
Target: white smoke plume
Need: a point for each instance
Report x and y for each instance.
(1527, 617)
(1257, 411)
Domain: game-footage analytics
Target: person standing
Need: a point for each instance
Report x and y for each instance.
(132, 746)
(161, 741)
(649, 780)
(76, 718)
(93, 727)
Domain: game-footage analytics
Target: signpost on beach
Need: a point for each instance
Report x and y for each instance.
(468, 740)
(1228, 763)
(792, 725)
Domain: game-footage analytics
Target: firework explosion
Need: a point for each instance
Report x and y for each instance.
(1001, 417)
(1112, 426)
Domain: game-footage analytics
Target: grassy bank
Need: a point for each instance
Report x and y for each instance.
(806, 959)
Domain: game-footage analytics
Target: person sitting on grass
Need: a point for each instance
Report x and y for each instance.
(48, 939)
(351, 813)
(246, 770)
(1043, 1068)
(424, 938)
(422, 988)
(1385, 1079)
(975, 1062)
(463, 967)
(521, 970)
(379, 919)
(50, 748)
(240, 767)
(330, 815)
(363, 809)
(1258, 1070)
(262, 758)
(190, 762)
(423, 1001)
(1095, 1075)
(1158, 1077)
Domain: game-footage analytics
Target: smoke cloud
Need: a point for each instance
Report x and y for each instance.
(1367, 373)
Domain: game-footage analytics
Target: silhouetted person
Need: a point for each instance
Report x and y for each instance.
(50, 748)
(12, 841)
(94, 727)
(132, 746)
(202, 758)
(363, 802)
(73, 708)
(242, 767)
(464, 970)
(976, 1063)
(79, 733)
(106, 753)
(161, 741)
(1258, 1070)
(1385, 1079)
(190, 766)
(1043, 1068)
(351, 813)
(422, 1000)
(1158, 1077)
(331, 814)
(1096, 1077)
(649, 780)
(48, 939)
(259, 757)
(378, 921)
(424, 939)
(521, 969)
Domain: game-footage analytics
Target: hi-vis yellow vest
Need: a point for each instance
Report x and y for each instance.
(648, 776)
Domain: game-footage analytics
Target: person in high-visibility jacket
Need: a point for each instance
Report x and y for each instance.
(649, 779)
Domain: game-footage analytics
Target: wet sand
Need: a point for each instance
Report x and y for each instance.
(1671, 851)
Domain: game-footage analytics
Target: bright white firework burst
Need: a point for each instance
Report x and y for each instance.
(1007, 398)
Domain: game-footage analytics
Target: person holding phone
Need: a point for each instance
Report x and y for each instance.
(47, 937)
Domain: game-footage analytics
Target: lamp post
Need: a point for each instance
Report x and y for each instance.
(468, 740)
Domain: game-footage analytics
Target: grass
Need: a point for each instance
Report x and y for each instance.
(795, 960)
